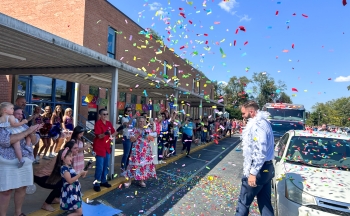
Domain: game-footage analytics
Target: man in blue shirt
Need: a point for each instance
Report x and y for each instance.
(187, 136)
(258, 152)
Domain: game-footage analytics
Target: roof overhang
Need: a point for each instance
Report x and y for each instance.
(25, 49)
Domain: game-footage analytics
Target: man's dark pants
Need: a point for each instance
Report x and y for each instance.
(262, 192)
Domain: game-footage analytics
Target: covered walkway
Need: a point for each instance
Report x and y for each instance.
(27, 50)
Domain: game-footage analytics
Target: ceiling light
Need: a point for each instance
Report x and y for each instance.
(122, 84)
(156, 93)
(13, 56)
(107, 80)
(99, 78)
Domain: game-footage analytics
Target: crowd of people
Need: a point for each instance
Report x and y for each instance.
(146, 142)
(325, 127)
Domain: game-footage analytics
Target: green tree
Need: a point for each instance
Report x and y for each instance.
(334, 112)
(349, 88)
(235, 90)
(284, 98)
(218, 90)
(155, 35)
(235, 113)
(265, 88)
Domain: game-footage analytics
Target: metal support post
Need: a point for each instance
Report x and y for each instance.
(76, 104)
(200, 109)
(176, 104)
(114, 116)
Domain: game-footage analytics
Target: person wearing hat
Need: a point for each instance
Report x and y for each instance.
(78, 159)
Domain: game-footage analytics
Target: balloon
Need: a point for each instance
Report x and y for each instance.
(31, 189)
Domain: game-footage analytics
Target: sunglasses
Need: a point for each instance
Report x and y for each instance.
(105, 114)
(128, 110)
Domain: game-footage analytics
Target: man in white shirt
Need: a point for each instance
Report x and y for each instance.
(258, 152)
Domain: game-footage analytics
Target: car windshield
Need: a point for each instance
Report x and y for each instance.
(283, 127)
(325, 152)
(286, 114)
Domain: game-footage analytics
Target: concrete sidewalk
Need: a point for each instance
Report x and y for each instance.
(32, 203)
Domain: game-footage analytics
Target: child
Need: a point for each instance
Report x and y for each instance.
(70, 193)
(8, 121)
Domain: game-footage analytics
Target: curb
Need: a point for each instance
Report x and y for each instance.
(117, 182)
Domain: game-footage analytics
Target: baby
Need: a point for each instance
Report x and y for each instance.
(8, 121)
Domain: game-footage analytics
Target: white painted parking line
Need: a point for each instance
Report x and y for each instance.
(161, 202)
(199, 159)
(169, 174)
(211, 150)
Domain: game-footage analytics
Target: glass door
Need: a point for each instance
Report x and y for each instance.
(23, 90)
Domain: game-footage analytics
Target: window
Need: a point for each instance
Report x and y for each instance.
(175, 71)
(64, 91)
(211, 93)
(45, 91)
(165, 68)
(122, 96)
(42, 88)
(22, 88)
(134, 99)
(111, 42)
(199, 87)
(282, 144)
(193, 81)
(143, 100)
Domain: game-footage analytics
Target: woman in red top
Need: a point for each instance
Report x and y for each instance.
(102, 147)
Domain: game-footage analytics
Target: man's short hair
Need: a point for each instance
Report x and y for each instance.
(251, 104)
(20, 97)
(126, 109)
(101, 110)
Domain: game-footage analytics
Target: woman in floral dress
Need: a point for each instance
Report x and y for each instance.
(141, 165)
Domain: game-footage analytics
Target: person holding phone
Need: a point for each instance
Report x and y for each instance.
(128, 122)
(102, 147)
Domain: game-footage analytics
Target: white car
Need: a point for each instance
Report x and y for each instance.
(312, 174)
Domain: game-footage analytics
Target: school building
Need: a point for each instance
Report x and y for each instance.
(151, 77)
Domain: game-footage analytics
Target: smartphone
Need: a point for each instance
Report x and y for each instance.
(87, 165)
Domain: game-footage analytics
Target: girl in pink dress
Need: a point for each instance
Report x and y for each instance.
(78, 159)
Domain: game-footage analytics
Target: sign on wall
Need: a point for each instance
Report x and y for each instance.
(83, 103)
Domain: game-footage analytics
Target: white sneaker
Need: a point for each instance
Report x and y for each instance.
(51, 155)
(37, 158)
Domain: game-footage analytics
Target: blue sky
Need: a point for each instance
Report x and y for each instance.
(321, 41)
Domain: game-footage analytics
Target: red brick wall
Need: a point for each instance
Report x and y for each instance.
(100, 15)
(6, 85)
(86, 23)
(60, 17)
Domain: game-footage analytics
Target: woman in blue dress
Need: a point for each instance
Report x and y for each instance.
(55, 132)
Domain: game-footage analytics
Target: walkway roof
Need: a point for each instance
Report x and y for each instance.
(27, 50)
